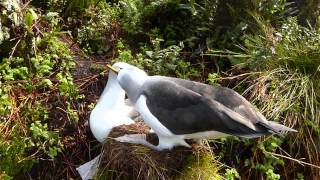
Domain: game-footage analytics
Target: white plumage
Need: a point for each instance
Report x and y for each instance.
(111, 110)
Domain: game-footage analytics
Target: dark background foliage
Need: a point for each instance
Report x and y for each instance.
(52, 57)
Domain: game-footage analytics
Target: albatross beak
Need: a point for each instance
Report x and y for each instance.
(114, 69)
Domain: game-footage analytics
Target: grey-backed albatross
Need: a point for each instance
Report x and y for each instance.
(179, 109)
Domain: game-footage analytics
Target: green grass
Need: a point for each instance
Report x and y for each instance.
(200, 165)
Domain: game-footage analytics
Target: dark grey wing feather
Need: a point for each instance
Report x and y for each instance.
(184, 111)
(232, 100)
(223, 95)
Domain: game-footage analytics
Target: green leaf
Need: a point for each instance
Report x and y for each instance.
(30, 17)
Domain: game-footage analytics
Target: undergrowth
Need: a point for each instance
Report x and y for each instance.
(286, 90)
(32, 68)
(99, 33)
(159, 61)
(265, 39)
(268, 49)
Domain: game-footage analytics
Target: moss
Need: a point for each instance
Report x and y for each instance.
(200, 165)
(97, 68)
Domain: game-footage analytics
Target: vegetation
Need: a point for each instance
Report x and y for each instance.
(202, 165)
(52, 57)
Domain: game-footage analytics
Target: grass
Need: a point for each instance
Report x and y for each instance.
(285, 88)
(201, 164)
(292, 98)
(129, 161)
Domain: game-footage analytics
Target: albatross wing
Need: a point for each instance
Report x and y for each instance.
(232, 100)
(223, 95)
(184, 111)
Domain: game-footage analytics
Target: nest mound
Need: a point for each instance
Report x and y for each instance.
(132, 161)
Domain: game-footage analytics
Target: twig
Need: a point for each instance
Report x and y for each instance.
(240, 75)
(38, 30)
(296, 160)
(228, 55)
(33, 80)
(67, 114)
(14, 49)
(90, 78)
(25, 5)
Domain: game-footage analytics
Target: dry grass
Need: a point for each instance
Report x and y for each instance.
(292, 98)
(129, 161)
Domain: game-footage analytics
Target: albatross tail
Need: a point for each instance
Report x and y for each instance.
(269, 127)
(277, 128)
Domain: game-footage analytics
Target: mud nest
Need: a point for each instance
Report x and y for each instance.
(131, 161)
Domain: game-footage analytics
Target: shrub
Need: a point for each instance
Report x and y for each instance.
(99, 31)
(286, 88)
(27, 76)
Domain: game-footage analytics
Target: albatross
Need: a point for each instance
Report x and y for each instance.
(179, 109)
(112, 109)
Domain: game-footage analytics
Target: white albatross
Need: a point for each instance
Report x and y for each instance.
(111, 110)
(179, 109)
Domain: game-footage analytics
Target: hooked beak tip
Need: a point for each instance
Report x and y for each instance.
(114, 69)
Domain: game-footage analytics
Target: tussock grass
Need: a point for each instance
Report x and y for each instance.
(292, 98)
(200, 165)
(130, 161)
(284, 85)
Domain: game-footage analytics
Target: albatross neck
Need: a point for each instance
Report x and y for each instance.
(132, 81)
(113, 95)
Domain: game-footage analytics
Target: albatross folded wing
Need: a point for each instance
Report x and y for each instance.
(184, 111)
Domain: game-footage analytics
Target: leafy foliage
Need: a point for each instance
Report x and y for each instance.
(45, 140)
(99, 32)
(13, 160)
(159, 61)
(67, 7)
(232, 174)
(276, 42)
(27, 68)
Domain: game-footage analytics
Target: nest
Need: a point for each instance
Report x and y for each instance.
(132, 161)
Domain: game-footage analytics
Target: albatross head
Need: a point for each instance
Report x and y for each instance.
(117, 67)
(130, 79)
